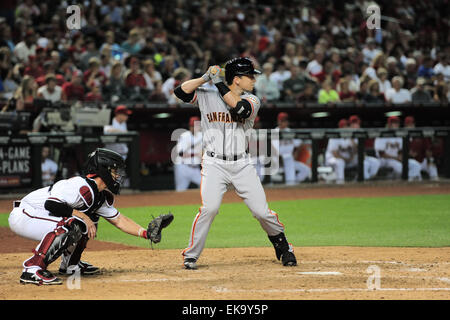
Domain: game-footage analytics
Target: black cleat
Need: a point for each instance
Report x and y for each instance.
(190, 264)
(39, 277)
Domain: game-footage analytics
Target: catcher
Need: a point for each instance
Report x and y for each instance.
(64, 216)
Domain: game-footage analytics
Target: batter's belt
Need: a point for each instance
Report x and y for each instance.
(224, 157)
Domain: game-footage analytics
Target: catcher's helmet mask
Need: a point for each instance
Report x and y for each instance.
(239, 67)
(108, 165)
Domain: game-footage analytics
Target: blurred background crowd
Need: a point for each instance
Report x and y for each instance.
(313, 51)
(125, 54)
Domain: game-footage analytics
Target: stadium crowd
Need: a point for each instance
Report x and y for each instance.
(310, 51)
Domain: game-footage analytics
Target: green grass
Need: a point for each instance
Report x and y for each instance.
(422, 221)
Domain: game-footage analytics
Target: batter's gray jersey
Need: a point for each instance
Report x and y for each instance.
(221, 134)
(224, 136)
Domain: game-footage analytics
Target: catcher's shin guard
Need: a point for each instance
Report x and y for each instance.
(73, 253)
(71, 259)
(67, 232)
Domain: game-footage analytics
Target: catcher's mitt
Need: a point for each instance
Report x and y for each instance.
(156, 225)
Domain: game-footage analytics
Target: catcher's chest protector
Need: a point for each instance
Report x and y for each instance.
(93, 200)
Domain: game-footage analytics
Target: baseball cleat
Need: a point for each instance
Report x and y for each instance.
(190, 264)
(39, 277)
(288, 259)
(83, 267)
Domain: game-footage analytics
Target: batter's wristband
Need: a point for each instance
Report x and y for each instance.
(223, 89)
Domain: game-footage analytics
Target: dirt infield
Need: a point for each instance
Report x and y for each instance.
(244, 273)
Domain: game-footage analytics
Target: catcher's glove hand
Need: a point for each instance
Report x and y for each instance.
(156, 225)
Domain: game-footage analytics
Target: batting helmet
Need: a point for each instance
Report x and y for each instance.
(239, 67)
(101, 163)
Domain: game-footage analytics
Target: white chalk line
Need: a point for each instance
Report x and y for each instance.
(321, 273)
(400, 263)
(226, 290)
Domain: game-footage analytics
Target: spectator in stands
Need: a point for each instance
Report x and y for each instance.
(133, 44)
(151, 75)
(315, 68)
(373, 94)
(33, 68)
(5, 62)
(9, 86)
(392, 67)
(105, 61)
(113, 12)
(383, 81)
(267, 89)
(48, 166)
(410, 73)
(370, 50)
(295, 85)
(26, 48)
(89, 53)
(280, 75)
(93, 73)
(41, 55)
(419, 94)
(95, 92)
(55, 58)
(115, 49)
(51, 91)
(76, 48)
(309, 94)
(426, 68)
(134, 81)
(168, 66)
(6, 37)
(48, 69)
(397, 94)
(441, 92)
(327, 95)
(345, 95)
(420, 149)
(378, 61)
(25, 93)
(443, 66)
(74, 90)
(115, 85)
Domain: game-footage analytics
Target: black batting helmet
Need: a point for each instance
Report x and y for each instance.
(239, 67)
(101, 163)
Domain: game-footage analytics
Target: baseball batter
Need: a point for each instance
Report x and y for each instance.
(226, 115)
(64, 216)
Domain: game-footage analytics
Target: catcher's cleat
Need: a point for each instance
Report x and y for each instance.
(190, 264)
(85, 269)
(39, 277)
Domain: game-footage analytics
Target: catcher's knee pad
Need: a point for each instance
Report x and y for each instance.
(67, 232)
